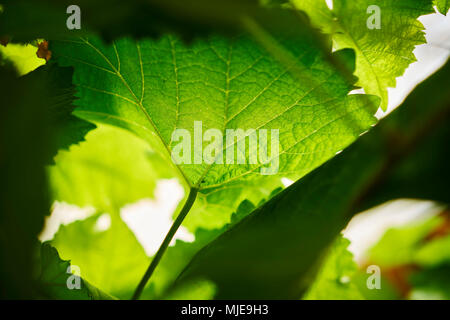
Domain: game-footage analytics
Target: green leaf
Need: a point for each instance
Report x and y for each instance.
(153, 18)
(434, 253)
(100, 254)
(198, 290)
(111, 169)
(431, 284)
(35, 112)
(381, 54)
(214, 207)
(154, 87)
(398, 246)
(59, 93)
(51, 92)
(275, 251)
(414, 245)
(442, 5)
(417, 258)
(178, 257)
(386, 292)
(54, 279)
(100, 174)
(424, 173)
(336, 280)
(23, 57)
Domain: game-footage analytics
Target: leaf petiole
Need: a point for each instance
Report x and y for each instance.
(169, 236)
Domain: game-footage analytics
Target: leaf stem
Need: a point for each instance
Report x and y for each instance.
(169, 236)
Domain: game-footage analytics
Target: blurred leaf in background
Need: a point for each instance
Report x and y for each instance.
(442, 5)
(335, 278)
(33, 126)
(55, 278)
(141, 18)
(22, 56)
(111, 169)
(416, 258)
(277, 244)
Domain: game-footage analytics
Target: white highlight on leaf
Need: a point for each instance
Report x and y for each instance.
(63, 213)
(103, 223)
(286, 182)
(150, 220)
(329, 4)
(357, 91)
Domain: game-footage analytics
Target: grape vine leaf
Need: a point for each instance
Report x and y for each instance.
(35, 111)
(100, 174)
(100, 253)
(442, 5)
(416, 243)
(214, 207)
(198, 290)
(111, 169)
(420, 248)
(335, 280)
(53, 95)
(154, 87)
(54, 275)
(431, 284)
(424, 173)
(22, 56)
(275, 251)
(398, 246)
(434, 252)
(382, 54)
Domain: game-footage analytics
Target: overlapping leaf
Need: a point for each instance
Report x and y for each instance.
(383, 51)
(54, 276)
(178, 256)
(155, 87)
(416, 257)
(274, 252)
(36, 121)
(111, 259)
